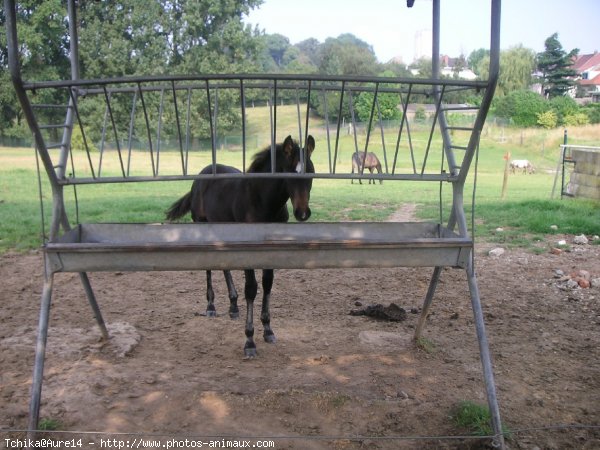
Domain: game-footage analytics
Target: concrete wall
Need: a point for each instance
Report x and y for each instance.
(585, 178)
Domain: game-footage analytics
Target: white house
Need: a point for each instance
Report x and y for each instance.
(588, 70)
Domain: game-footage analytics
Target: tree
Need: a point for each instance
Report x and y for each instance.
(555, 65)
(347, 55)
(516, 66)
(309, 48)
(460, 64)
(388, 106)
(44, 49)
(423, 66)
(137, 37)
(276, 46)
(475, 58)
(140, 37)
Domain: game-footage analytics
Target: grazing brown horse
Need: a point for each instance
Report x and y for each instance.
(251, 199)
(370, 161)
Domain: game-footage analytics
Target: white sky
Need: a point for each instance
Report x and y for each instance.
(390, 27)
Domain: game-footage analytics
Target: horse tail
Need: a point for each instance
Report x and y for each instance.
(180, 207)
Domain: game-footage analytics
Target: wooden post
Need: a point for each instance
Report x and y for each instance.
(505, 180)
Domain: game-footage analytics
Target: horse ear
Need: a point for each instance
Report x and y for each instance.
(310, 145)
(288, 145)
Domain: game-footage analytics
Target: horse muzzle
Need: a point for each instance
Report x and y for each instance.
(302, 214)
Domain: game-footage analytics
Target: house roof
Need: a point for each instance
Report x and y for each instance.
(593, 82)
(585, 62)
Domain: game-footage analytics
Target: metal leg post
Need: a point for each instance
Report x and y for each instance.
(40, 354)
(427, 303)
(94, 304)
(486, 361)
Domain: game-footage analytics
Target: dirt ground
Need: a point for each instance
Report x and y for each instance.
(169, 372)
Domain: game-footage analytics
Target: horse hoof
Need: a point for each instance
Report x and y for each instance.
(211, 313)
(234, 315)
(250, 352)
(270, 338)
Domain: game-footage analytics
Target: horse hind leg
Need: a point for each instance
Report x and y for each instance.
(250, 290)
(234, 312)
(210, 296)
(265, 315)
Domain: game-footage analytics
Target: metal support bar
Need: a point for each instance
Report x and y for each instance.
(274, 129)
(115, 132)
(159, 129)
(339, 123)
(130, 134)
(94, 304)
(427, 303)
(67, 145)
(180, 138)
(148, 133)
(102, 142)
(40, 355)
(362, 166)
(380, 120)
(326, 111)
(484, 352)
(440, 114)
(494, 71)
(303, 156)
(243, 106)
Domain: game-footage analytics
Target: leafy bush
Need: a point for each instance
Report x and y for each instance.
(420, 114)
(548, 119)
(579, 118)
(522, 107)
(528, 109)
(564, 106)
(78, 143)
(388, 106)
(592, 110)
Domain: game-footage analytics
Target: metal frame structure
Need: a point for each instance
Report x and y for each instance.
(86, 247)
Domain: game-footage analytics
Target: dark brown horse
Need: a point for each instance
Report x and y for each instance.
(251, 200)
(369, 161)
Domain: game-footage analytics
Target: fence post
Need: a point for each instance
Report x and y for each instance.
(505, 179)
(564, 150)
(561, 162)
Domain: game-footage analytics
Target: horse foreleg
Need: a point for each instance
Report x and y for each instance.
(234, 312)
(265, 315)
(210, 296)
(250, 293)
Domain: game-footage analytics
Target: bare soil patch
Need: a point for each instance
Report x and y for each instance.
(171, 371)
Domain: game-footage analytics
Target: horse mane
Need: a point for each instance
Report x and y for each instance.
(261, 161)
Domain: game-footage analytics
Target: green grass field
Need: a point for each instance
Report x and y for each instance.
(526, 212)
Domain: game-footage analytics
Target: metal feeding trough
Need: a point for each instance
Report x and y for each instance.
(223, 246)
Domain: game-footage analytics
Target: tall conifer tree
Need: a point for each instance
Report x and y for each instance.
(555, 65)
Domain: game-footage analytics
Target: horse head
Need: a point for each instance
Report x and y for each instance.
(299, 161)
